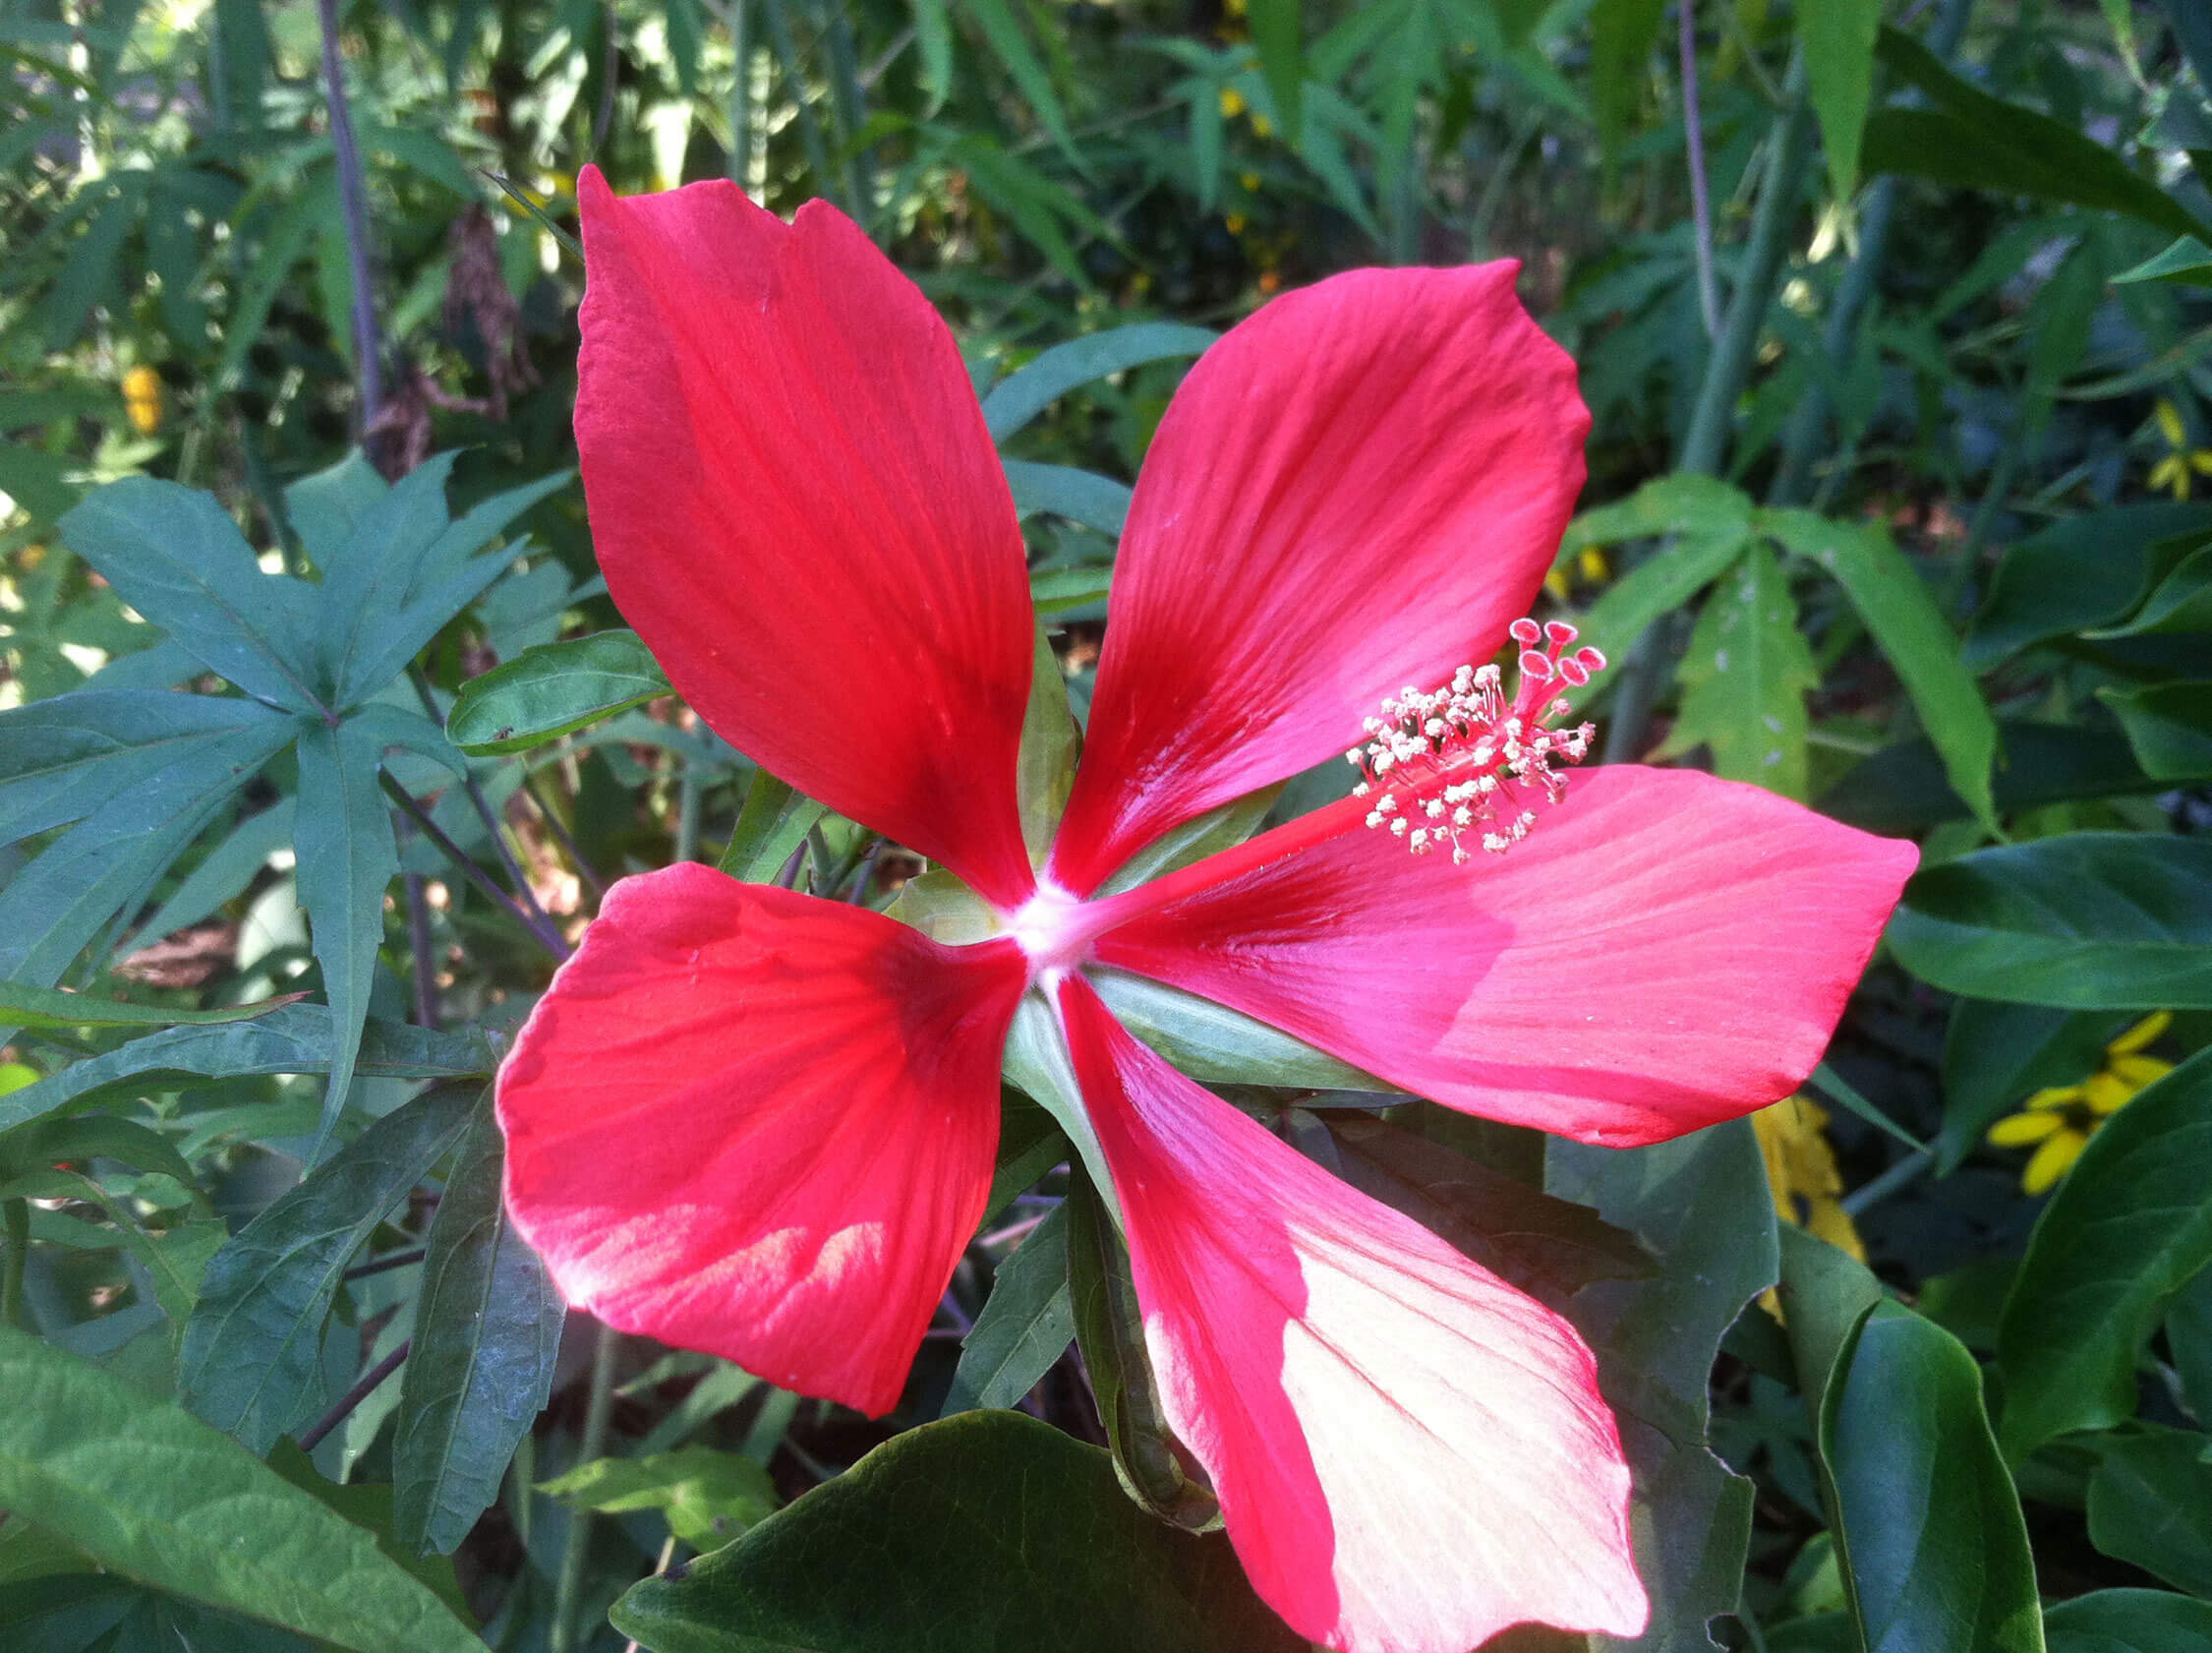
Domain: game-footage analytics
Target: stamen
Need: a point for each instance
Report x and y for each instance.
(1467, 758)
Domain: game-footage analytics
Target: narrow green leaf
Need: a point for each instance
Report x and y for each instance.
(769, 828)
(348, 858)
(252, 1351)
(1275, 36)
(1912, 633)
(1045, 772)
(1027, 391)
(1095, 502)
(225, 871)
(547, 691)
(1026, 1326)
(990, 1519)
(1220, 828)
(1002, 31)
(2150, 1503)
(174, 556)
(933, 35)
(2081, 573)
(43, 1007)
(295, 1038)
(1973, 141)
(2182, 601)
(214, 1524)
(708, 1496)
(1212, 1042)
(2187, 262)
(2127, 1229)
(1838, 37)
(2091, 920)
(1932, 1529)
(1622, 35)
(487, 1333)
(1060, 591)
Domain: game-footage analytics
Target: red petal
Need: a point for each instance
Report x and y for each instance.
(1411, 1455)
(1358, 488)
(760, 1125)
(796, 504)
(1664, 951)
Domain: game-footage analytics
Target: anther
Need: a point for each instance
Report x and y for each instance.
(1470, 758)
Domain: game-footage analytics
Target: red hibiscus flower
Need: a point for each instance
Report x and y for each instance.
(763, 1125)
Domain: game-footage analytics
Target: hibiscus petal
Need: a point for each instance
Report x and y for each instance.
(1359, 488)
(796, 504)
(1409, 1454)
(760, 1125)
(1664, 951)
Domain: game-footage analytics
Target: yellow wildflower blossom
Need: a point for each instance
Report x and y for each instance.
(142, 400)
(2177, 471)
(1590, 570)
(1801, 1174)
(2059, 1120)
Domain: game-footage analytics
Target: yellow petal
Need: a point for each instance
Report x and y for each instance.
(1591, 563)
(2201, 461)
(2108, 1093)
(2055, 1095)
(2145, 1031)
(1233, 105)
(1555, 582)
(2168, 419)
(2024, 1127)
(2052, 1162)
(2139, 1070)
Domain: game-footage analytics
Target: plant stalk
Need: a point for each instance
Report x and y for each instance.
(311, 1437)
(567, 1635)
(353, 211)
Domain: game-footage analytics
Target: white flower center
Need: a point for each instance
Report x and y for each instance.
(1048, 929)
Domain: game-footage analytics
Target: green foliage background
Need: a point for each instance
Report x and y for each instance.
(319, 738)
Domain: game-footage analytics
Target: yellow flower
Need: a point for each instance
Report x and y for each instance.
(2173, 472)
(1590, 569)
(2059, 1120)
(142, 400)
(1231, 104)
(1801, 1175)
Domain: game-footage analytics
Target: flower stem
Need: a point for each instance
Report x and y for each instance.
(17, 1215)
(566, 1632)
(311, 1437)
(1701, 200)
(531, 918)
(353, 214)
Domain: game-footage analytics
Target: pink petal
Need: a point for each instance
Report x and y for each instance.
(1411, 1455)
(1358, 488)
(1664, 951)
(795, 503)
(760, 1125)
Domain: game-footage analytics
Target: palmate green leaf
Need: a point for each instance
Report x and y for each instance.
(109, 863)
(252, 1351)
(1838, 44)
(987, 1519)
(1912, 634)
(174, 556)
(294, 1039)
(488, 1333)
(2150, 1503)
(214, 1524)
(225, 871)
(708, 1496)
(547, 691)
(1744, 677)
(2092, 920)
(71, 756)
(1026, 1326)
(2127, 1229)
(2128, 1622)
(348, 856)
(2169, 726)
(1997, 1055)
(1546, 1246)
(1027, 391)
(1930, 1534)
(1972, 140)
(1701, 1204)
